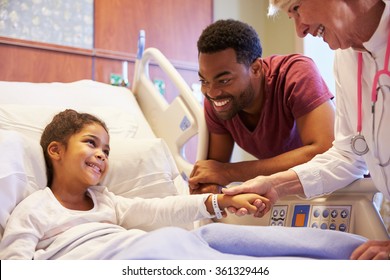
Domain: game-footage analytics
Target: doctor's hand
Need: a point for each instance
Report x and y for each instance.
(261, 185)
(372, 250)
(208, 172)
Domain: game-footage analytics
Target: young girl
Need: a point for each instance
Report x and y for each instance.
(76, 149)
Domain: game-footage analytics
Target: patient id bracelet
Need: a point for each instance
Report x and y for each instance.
(214, 202)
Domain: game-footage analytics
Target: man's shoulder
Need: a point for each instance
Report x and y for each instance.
(286, 59)
(296, 64)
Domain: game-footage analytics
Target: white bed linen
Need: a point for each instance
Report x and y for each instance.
(214, 241)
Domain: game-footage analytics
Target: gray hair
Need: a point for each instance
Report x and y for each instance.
(276, 5)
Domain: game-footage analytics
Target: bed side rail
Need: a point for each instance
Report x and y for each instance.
(176, 122)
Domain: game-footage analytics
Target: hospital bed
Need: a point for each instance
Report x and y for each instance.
(147, 159)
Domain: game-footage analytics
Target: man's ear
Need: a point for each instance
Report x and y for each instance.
(256, 67)
(54, 150)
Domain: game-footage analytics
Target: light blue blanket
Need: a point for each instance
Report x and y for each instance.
(223, 241)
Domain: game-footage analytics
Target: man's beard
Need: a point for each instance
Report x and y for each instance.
(237, 104)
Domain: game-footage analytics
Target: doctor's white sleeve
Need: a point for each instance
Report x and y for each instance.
(339, 166)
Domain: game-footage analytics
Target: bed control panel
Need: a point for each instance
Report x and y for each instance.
(333, 217)
(351, 209)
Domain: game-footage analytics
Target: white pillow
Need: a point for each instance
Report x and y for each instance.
(22, 171)
(138, 168)
(141, 168)
(115, 105)
(32, 119)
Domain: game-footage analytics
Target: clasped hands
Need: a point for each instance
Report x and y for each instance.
(248, 204)
(240, 204)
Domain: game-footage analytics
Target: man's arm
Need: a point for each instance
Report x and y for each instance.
(220, 147)
(208, 175)
(316, 132)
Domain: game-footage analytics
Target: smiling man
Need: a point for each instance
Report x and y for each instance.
(277, 108)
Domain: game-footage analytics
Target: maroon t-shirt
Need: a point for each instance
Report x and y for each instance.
(293, 88)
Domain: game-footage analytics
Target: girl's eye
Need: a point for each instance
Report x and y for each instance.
(91, 142)
(106, 152)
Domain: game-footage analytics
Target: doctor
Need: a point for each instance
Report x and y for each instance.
(360, 32)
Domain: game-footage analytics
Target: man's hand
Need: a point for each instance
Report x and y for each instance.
(208, 172)
(206, 188)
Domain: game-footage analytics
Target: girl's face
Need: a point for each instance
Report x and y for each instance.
(332, 20)
(85, 159)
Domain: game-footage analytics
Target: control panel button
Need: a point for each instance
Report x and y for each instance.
(325, 213)
(344, 214)
(343, 227)
(333, 226)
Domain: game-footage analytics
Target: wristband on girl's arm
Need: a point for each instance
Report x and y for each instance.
(217, 210)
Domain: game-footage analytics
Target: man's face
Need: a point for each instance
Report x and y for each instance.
(225, 83)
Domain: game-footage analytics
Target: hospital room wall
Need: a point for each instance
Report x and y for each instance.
(277, 35)
(172, 26)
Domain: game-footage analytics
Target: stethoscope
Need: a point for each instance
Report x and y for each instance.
(358, 143)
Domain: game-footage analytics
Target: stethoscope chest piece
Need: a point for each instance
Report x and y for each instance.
(359, 145)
